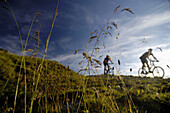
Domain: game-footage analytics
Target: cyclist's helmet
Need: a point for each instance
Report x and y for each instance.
(150, 49)
(107, 56)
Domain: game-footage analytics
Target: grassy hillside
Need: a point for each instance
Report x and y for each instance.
(62, 90)
(55, 79)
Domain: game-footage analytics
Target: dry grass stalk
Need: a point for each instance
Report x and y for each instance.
(76, 51)
(97, 61)
(46, 46)
(127, 9)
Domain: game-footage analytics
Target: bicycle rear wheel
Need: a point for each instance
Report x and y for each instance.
(158, 72)
(142, 72)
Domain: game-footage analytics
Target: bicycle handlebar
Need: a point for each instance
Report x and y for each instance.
(154, 60)
(110, 63)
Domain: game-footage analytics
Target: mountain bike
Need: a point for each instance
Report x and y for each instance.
(109, 70)
(156, 71)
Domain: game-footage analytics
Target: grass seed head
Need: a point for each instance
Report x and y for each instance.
(127, 9)
(115, 25)
(130, 69)
(29, 50)
(116, 9)
(76, 51)
(119, 62)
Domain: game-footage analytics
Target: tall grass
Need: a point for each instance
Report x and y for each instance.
(92, 62)
(52, 97)
(23, 57)
(46, 47)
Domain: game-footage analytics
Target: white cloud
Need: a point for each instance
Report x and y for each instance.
(12, 43)
(130, 46)
(138, 26)
(140, 23)
(133, 30)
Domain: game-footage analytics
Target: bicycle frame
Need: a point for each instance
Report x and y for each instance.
(109, 70)
(157, 71)
(152, 64)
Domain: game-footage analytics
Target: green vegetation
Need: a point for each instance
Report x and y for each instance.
(62, 90)
(54, 81)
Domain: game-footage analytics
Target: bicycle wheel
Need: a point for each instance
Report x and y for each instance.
(158, 72)
(142, 72)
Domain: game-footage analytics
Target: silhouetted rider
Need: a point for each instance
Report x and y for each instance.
(106, 61)
(144, 58)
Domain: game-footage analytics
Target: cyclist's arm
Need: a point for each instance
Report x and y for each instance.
(154, 57)
(111, 61)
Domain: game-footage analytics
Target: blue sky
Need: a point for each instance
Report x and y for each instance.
(78, 18)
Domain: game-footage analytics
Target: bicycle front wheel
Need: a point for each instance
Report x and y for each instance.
(142, 72)
(158, 72)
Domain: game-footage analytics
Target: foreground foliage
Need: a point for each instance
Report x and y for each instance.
(62, 90)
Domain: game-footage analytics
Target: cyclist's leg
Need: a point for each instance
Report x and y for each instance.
(107, 69)
(148, 65)
(104, 68)
(143, 65)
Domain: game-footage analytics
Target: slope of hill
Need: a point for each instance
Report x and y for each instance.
(62, 90)
(54, 77)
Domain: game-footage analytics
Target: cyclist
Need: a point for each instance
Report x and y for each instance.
(144, 58)
(105, 62)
